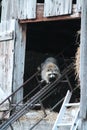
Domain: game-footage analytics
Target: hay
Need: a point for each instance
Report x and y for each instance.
(77, 62)
(77, 55)
(37, 115)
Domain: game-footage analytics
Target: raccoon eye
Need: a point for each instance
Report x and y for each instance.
(56, 69)
(48, 70)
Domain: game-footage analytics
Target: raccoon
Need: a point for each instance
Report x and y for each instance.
(50, 70)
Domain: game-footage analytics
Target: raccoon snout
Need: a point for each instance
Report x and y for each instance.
(52, 77)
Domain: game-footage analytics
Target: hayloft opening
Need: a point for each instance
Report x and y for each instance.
(46, 39)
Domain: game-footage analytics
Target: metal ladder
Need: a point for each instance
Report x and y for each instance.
(68, 117)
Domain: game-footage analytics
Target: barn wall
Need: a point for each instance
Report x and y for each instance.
(28, 9)
(10, 11)
(57, 7)
(20, 9)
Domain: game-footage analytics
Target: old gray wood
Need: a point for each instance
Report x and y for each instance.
(10, 11)
(57, 7)
(6, 55)
(79, 5)
(19, 60)
(27, 9)
(83, 67)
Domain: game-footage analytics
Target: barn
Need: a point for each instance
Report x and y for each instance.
(31, 31)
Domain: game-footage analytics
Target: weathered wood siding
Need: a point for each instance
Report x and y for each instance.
(20, 9)
(79, 4)
(57, 7)
(7, 37)
(11, 10)
(27, 9)
(19, 60)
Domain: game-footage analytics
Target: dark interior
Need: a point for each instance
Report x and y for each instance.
(40, 1)
(46, 39)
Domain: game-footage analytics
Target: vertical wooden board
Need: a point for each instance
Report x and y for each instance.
(49, 8)
(78, 5)
(21, 9)
(68, 6)
(12, 56)
(27, 9)
(9, 9)
(57, 7)
(19, 58)
(83, 66)
(31, 8)
(4, 9)
(14, 8)
(6, 58)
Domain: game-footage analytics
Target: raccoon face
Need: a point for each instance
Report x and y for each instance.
(50, 73)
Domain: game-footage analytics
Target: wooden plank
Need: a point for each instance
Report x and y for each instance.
(5, 36)
(4, 106)
(57, 7)
(6, 58)
(19, 60)
(83, 66)
(41, 19)
(12, 9)
(9, 9)
(2, 95)
(12, 56)
(27, 9)
(79, 5)
(4, 9)
(16, 8)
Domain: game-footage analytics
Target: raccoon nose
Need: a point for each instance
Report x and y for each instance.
(52, 79)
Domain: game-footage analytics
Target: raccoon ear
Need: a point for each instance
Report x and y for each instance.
(42, 65)
(39, 68)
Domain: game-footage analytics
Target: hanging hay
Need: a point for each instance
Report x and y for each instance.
(77, 62)
(77, 56)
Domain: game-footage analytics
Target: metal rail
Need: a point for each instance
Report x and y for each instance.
(11, 95)
(40, 95)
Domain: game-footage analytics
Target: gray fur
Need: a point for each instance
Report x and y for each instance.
(50, 70)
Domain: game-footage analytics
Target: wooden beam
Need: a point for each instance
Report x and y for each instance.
(83, 67)
(70, 17)
(83, 61)
(41, 18)
(6, 36)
